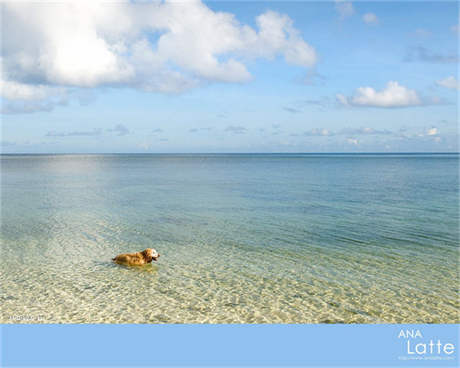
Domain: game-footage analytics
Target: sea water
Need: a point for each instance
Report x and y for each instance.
(276, 238)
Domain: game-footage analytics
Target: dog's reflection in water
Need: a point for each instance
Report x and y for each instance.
(143, 269)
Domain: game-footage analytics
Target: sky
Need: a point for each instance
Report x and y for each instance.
(236, 76)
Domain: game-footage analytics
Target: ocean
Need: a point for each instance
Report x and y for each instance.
(243, 238)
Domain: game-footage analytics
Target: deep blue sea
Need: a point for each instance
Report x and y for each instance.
(256, 238)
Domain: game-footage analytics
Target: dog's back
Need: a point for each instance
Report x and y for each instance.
(130, 259)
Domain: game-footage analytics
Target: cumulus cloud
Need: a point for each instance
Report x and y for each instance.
(155, 46)
(393, 95)
(449, 82)
(29, 98)
(13, 90)
(344, 8)
(370, 18)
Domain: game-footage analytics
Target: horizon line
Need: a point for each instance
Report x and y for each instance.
(235, 153)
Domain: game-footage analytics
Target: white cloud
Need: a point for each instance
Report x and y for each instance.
(449, 82)
(364, 131)
(370, 18)
(352, 141)
(393, 95)
(319, 133)
(28, 98)
(156, 46)
(277, 35)
(13, 90)
(432, 131)
(344, 8)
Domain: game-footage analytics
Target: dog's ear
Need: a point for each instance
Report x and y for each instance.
(147, 256)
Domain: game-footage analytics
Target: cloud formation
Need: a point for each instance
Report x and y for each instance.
(371, 137)
(344, 8)
(393, 95)
(119, 129)
(292, 110)
(324, 132)
(370, 18)
(449, 82)
(236, 129)
(312, 78)
(432, 131)
(422, 54)
(91, 133)
(364, 131)
(28, 107)
(165, 47)
(316, 132)
(196, 130)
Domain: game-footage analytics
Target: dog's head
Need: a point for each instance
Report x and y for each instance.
(150, 254)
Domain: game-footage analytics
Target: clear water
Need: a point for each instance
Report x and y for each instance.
(243, 238)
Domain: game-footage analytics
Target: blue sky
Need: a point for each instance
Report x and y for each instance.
(263, 77)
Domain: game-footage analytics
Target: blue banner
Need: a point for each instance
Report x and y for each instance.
(230, 345)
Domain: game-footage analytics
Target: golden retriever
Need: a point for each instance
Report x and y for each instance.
(137, 259)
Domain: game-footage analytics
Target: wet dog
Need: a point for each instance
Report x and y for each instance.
(137, 259)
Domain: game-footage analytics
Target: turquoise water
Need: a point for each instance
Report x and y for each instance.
(243, 238)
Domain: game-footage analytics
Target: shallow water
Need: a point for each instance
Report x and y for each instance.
(243, 238)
